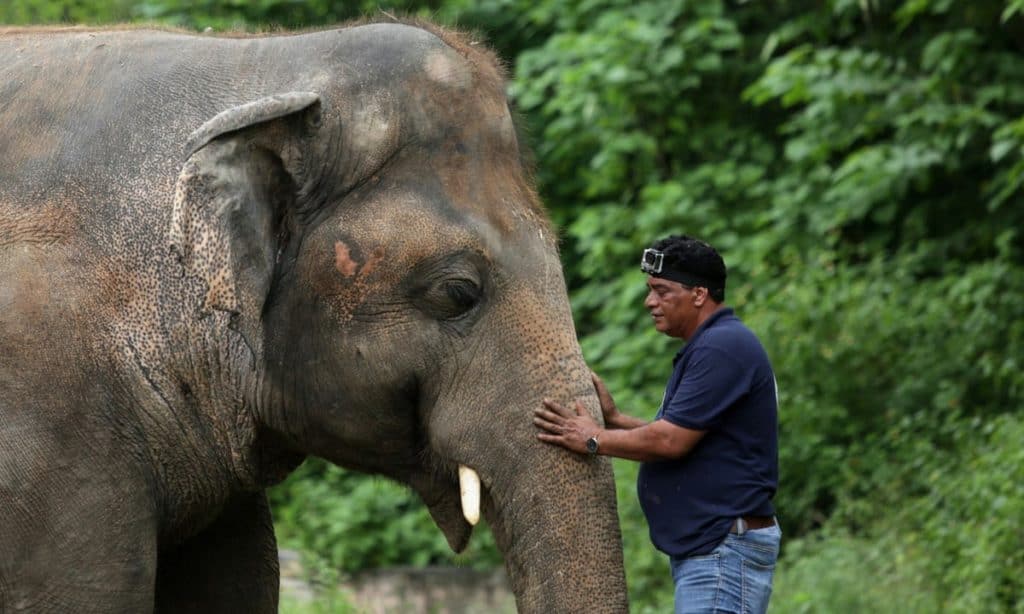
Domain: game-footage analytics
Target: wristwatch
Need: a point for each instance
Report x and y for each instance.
(592, 444)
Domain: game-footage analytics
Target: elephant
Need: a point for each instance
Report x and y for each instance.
(223, 254)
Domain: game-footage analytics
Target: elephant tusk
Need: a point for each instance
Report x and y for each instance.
(469, 489)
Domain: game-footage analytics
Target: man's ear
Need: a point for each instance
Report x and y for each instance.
(235, 196)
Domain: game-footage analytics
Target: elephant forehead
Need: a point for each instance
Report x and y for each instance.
(488, 186)
(410, 226)
(448, 70)
(373, 134)
(386, 237)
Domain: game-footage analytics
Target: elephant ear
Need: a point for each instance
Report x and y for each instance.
(235, 194)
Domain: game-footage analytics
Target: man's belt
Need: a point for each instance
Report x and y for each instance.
(749, 523)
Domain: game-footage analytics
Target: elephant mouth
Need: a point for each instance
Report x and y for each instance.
(454, 503)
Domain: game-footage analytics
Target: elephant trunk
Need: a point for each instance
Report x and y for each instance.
(552, 512)
(559, 531)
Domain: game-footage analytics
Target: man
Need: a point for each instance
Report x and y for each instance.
(710, 459)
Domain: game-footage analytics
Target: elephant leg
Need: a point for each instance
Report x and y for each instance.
(231, 566)
(78, 533)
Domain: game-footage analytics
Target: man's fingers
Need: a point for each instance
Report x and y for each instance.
(603, 395)
(558, 409)
(561, 411)
(547, 425)
(548, 416)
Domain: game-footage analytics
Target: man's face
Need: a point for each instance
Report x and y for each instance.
(673, 306)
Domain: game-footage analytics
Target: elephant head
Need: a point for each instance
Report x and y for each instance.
(374, 239)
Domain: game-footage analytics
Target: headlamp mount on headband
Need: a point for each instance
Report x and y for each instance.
(653, 263)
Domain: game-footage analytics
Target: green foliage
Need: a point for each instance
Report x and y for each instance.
(267, 14)
(972, 519)
(326, 601)
(64, 11)
(963, 531)
(220, 15)
(838, 573)
(352, 522)
(885, 380)
(890, 146)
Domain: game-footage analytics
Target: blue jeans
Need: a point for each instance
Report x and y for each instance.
(735, 577)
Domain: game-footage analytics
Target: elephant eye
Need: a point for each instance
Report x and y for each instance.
(462, 295)
(449, 299)
(450, 289)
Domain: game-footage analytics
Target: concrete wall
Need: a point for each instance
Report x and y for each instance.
(408, 590)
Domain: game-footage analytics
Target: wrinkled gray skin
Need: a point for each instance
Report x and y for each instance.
(220, 255)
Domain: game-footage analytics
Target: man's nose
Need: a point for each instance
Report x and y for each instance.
(650, 300)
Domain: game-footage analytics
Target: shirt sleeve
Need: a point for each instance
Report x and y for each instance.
(712, 383)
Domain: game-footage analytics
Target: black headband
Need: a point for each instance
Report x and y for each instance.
(687, 279)
(652, 262)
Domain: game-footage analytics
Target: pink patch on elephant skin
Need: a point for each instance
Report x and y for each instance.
(347, 266)
(372, 261)
(343, 260)
(355, 287)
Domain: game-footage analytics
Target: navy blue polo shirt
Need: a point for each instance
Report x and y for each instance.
(722, 383)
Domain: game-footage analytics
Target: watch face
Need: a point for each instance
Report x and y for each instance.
(592, 445)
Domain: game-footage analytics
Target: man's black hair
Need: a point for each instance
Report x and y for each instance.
(690, 255)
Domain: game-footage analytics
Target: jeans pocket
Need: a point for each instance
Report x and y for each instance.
(756, 586)
(760, 547)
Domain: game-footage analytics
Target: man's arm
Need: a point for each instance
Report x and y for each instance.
(658, 440)
(654, 441)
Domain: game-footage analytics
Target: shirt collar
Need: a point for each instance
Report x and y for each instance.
(706, 324)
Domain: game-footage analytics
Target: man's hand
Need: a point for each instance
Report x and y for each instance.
(563, 427)
(608, 408)
(613, 418)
